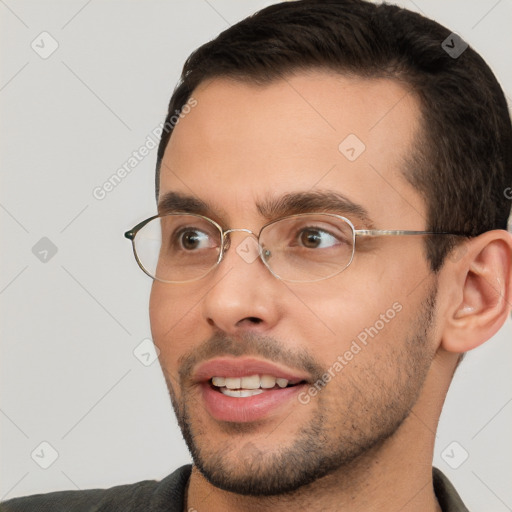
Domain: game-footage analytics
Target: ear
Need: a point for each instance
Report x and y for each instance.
(480, 286)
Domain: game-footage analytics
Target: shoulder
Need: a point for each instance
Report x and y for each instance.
(448, 498)
(151, 495)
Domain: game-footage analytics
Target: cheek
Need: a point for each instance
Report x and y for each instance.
(343, 309)
(174, 325)
(160, 314)
(366, 308)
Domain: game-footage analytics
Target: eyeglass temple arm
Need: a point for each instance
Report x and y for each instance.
(402, 232)
(130, 234)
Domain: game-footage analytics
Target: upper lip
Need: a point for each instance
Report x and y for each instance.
(242, 367)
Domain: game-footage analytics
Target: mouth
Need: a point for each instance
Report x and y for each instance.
(242, 390)
(252, 385)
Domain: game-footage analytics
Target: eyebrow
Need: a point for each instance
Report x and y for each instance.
(176, 202)
(318, 201)
(273, 208)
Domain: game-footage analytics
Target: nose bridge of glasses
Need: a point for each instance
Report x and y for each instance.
(227, 239)
(239, 229)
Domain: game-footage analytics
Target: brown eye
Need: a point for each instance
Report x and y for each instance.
(310, 238)
(190, 240)
(193, 239)
(314, 238)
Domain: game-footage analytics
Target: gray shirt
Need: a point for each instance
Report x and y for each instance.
(167, 495)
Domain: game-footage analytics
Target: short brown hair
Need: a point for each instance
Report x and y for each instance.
(463, 163)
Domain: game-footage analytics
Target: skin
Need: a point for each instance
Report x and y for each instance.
(375, 421)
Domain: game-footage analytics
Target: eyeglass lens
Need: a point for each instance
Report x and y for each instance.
(307, 247)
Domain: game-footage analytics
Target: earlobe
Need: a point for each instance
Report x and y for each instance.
(484, 282)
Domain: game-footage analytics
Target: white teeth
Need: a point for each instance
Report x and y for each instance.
(267, 381)
(282, 383)
(241, 393)
(219, 381)
(233, 382)
(252, 382)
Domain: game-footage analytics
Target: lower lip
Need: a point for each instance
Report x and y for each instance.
(247, 409)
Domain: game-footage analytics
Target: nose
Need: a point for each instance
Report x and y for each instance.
(243, 294)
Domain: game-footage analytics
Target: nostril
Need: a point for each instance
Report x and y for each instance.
(249, 320)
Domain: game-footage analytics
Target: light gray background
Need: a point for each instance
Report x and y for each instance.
(70, 325)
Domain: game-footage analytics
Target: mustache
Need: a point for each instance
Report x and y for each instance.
(248, 344)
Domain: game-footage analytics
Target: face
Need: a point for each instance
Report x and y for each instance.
(351, 351)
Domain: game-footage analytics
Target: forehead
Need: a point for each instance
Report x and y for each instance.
(243, 144)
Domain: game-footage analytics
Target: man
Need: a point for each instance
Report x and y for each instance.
(330, 239)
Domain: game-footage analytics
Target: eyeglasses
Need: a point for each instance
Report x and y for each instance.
(182, 247)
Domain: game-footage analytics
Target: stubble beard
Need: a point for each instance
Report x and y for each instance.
(338, 435)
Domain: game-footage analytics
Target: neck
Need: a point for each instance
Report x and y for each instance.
(396, 475)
